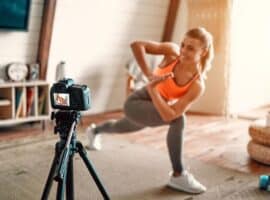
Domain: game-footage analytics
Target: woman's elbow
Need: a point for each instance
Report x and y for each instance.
(134, 44)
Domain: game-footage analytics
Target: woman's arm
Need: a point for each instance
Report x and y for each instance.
(164, 110)
(169, 113)
(141, 48)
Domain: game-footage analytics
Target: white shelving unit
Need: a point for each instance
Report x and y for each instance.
(24, 102)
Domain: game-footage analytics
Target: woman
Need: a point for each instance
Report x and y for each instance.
(173, 86)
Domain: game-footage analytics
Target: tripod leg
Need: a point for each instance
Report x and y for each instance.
(91, 169)
(61, 189)
(70, 179)
(49, 181)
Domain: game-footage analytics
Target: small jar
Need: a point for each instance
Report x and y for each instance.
(267, 121)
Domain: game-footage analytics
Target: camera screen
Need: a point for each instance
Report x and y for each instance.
(61, 99)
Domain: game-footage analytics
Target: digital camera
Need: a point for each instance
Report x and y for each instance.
(66, 95)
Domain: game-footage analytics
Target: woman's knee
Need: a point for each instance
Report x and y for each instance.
(179, 122)
(129, 107)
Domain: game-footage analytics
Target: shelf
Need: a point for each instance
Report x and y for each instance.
(9, 122)
(23, 84)
(24, 102)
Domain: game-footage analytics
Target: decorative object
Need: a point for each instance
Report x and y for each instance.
(14, 15)
(259, 146)
(259, 152)
(60, 71)
(33, 71)
(17, 71)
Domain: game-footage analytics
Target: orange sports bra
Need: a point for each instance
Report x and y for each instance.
(168, 88)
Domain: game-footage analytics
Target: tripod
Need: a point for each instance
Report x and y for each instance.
(62, 165)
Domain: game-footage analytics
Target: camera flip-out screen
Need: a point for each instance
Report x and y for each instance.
(61, 99)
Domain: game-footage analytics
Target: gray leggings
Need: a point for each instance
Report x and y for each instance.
(139, 113)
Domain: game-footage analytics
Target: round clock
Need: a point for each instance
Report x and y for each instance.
(17, 71)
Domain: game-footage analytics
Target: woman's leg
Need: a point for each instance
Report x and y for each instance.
(175, 143)
(118, 126)
(111, 126)
(124, 125)
(139, 113)
(180, 179)
(140, 108)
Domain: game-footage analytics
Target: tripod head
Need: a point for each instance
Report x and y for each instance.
(63, 122)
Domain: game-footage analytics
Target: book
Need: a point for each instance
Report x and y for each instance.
(20, 103)
(4, 102)
(33, 109)
(30, 93)
(18, 95)
(42, 102)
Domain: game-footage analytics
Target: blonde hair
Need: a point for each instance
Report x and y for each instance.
(206, 38)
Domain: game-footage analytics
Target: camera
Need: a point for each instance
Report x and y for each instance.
(66, 95)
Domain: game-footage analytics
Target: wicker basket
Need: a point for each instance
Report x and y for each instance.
(259, 152)
(260, 133)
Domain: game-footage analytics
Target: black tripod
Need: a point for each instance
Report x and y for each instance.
(62, 165)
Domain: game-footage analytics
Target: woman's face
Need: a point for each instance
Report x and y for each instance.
(191, 50)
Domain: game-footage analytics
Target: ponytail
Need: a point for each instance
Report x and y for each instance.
(206, 60)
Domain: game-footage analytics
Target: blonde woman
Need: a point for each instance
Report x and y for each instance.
(173, 86)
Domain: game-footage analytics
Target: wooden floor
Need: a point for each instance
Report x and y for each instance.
(212, 139)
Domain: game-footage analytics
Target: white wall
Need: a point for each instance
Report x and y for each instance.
(181, 22)
(93, 38)
(22, 46)
(249, 82)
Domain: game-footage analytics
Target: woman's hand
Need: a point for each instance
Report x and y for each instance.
(154, 80)
(161, 105)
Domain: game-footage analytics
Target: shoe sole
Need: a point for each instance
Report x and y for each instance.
(92, 148)
(176, 187)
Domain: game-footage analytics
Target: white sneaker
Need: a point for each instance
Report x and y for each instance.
(94, 139)
(187, 183)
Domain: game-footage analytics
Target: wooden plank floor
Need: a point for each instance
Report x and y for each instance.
(212, 139)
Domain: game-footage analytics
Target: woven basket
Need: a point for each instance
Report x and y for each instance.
(260, 133)
(259, 152)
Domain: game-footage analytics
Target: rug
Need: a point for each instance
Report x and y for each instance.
(128, 171)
